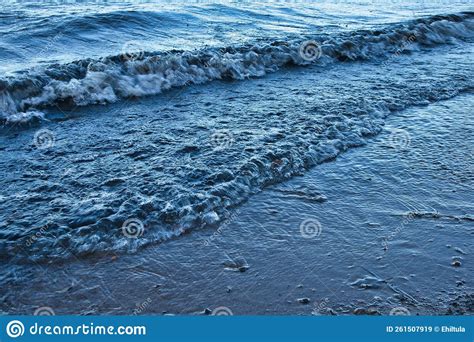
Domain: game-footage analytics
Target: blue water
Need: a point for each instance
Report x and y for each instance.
(79, 55)
(164, 118)
(41, 33)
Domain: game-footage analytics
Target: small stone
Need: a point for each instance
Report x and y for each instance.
(300, 286)
(303, 300)
(243, 268)
(238, 265)
(207, 311)
(363, 311)
(456, 263)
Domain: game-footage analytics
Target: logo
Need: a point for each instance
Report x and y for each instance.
(222, 311)
(44, 139)
(44, 311)
(310, 228)
(133, 50)
(399, 139)
(133, 228)
(310, 51)
(15, 329)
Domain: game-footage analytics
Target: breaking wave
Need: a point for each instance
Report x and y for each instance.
(136, 73)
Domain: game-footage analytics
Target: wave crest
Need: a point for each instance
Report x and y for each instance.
(143, 73)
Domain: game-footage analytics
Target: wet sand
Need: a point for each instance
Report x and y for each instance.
(385, 228)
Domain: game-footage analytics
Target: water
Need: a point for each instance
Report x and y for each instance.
(251, 44)
(392, 217)
(43, 33)
(163, 119)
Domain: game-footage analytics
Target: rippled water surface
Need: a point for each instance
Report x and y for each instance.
(128, 125)
(35, 33)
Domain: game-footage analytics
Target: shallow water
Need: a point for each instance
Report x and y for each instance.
(183, 160)
(377, 248)
(106, 151)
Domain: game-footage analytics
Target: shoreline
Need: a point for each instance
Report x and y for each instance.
(384, 234)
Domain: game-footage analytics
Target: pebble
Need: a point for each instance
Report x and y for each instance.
(456, 263)
(363, 311)
(243, 268)
(303, 300)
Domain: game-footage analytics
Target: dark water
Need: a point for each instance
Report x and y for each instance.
(93, 163)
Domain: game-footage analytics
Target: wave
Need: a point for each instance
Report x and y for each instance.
(101, 221)
(136, 73)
